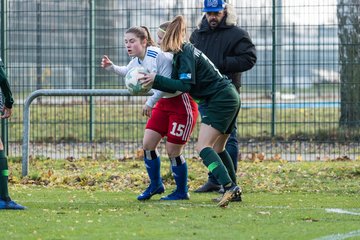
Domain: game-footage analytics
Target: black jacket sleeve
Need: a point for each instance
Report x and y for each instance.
(243, 56)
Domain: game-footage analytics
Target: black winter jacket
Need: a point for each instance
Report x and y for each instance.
(227, 46)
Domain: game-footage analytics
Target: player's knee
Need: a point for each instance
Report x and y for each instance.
(174, 151)
(149, 145)
(199, 148)
(173, 154)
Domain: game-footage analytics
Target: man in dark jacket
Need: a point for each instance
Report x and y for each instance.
(232, 51)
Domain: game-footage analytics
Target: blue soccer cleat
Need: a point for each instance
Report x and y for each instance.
(10, 205)
(175, 195)
(151, 191)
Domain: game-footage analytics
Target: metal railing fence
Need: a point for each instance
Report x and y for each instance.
(293, 101)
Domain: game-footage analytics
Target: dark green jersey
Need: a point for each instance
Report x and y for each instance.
(5, 88)
(192, 66)
(192, 72)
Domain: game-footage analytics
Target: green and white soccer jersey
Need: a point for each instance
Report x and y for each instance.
(192, 66)
(208, 84)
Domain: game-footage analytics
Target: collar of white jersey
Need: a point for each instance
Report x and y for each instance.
(150, 52)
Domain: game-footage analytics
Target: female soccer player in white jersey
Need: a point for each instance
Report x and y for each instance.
(172, 115)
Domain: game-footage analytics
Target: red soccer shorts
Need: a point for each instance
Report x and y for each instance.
(174, 118)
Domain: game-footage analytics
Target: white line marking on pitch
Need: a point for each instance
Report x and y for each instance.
(184, 204)
(341, 236)
(341, 211)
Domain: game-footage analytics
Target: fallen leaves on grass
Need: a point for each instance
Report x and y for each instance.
(264, 174)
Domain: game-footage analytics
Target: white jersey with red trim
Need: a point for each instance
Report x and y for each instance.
(156, 61)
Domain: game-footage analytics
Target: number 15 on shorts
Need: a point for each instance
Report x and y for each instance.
(177, 129)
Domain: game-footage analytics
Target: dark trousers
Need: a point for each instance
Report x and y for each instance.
(232, 144)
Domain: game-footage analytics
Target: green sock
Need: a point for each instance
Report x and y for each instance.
(213, 162)
(226, 159)
(4, 173)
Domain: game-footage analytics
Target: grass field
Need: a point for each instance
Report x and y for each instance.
(82, 199)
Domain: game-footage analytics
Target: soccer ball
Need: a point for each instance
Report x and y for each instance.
(132, 81)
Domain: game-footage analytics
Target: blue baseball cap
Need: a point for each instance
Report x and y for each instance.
(213, 5)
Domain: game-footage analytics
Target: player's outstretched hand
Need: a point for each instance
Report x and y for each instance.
(6, 112)
(106, 62)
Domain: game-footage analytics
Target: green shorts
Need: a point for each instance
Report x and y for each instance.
(222, 109)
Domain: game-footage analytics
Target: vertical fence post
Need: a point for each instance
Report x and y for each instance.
(38, 47)
(2, 30)
(293, 60)
(91, 66)
(4, 125)
(273, 89)
(317, 84)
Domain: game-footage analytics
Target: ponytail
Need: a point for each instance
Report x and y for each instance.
(150, 41)
(175, 35)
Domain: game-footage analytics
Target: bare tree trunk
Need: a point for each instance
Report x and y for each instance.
(348, 12)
